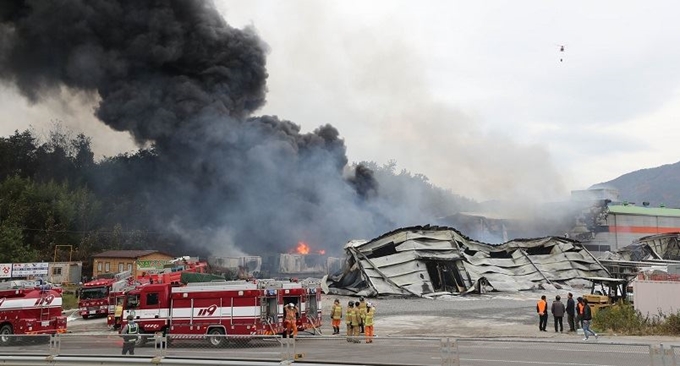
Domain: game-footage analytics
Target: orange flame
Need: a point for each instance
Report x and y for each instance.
(302, 248)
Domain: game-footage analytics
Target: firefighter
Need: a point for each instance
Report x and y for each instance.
(348, 320)
(129, 334)
(118, 313)
(291, 320)
(356, 320)
(336, 316)
(362, 314)
(368, 322)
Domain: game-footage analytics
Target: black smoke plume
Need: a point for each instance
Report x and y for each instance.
(176, 76)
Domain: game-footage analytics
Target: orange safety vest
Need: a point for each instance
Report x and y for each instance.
(542, 305)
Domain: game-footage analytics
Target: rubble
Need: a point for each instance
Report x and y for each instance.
(431, 260)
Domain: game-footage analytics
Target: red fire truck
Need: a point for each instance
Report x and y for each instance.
(172, 274)
(94, 296)
(202, 310)
(27, 307)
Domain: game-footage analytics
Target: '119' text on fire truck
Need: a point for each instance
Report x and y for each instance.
(29, 308)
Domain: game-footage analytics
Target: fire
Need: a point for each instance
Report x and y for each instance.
(302, 248)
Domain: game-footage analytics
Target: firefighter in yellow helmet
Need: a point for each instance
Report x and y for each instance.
(356, 320)
(291, 320)
(349, 315)
(362, 314)
(368, 322)
(336, 316)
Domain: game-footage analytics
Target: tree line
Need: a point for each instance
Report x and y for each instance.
(53, 192)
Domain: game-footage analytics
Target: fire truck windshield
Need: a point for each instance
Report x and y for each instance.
(93, 293)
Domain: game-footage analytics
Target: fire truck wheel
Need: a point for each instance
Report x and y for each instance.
(85, 316)
(216, 337)
(6, 337)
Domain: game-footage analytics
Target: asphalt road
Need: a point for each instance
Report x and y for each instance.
(409, 332)
(384, 350)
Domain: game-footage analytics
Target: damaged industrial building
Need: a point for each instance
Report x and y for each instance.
(427, 261)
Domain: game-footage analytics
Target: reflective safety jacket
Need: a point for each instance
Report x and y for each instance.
(368, 320)
(354, 318)
(362, 311)
(349, 315)
(541, 306)
(580, 307)
(290, 314)
(129, 332)
(336, 313)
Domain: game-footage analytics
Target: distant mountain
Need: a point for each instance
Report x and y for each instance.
(658, 186)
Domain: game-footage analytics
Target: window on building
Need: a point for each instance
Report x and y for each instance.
(99, 266)
(120, 267)
(107, 267)
(129, 267)
(152, 298)
(56, 271)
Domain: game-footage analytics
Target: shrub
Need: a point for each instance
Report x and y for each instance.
(671, 324)
(624, 319)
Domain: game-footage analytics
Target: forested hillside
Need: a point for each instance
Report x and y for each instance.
(658, 186)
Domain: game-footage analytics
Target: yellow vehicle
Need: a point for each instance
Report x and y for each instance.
(605, 292)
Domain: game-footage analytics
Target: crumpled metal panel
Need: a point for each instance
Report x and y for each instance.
(520, 264)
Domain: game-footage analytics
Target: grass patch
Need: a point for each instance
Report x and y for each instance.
(69, 301)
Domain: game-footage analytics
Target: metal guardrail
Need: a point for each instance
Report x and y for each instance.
(674, 353)
(105, 349)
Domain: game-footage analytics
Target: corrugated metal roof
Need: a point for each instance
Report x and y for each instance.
(644, 211)
(132, 254)
(403, 262)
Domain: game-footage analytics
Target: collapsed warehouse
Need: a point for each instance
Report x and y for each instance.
(427, 261)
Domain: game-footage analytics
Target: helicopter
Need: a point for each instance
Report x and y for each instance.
(561, 46)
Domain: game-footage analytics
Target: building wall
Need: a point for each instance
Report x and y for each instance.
(650, 297)
(65, 272)
(135, 265)
(623, 229)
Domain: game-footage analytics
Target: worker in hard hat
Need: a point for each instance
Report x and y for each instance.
(291, 320)
(368, 322)
(362, 314)
(336, 316)
(356, 320)
(349, 315)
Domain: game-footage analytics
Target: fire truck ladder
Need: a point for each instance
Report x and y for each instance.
(44, 309)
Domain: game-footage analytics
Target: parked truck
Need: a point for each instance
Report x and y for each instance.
(29, 307)
(211, 310)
